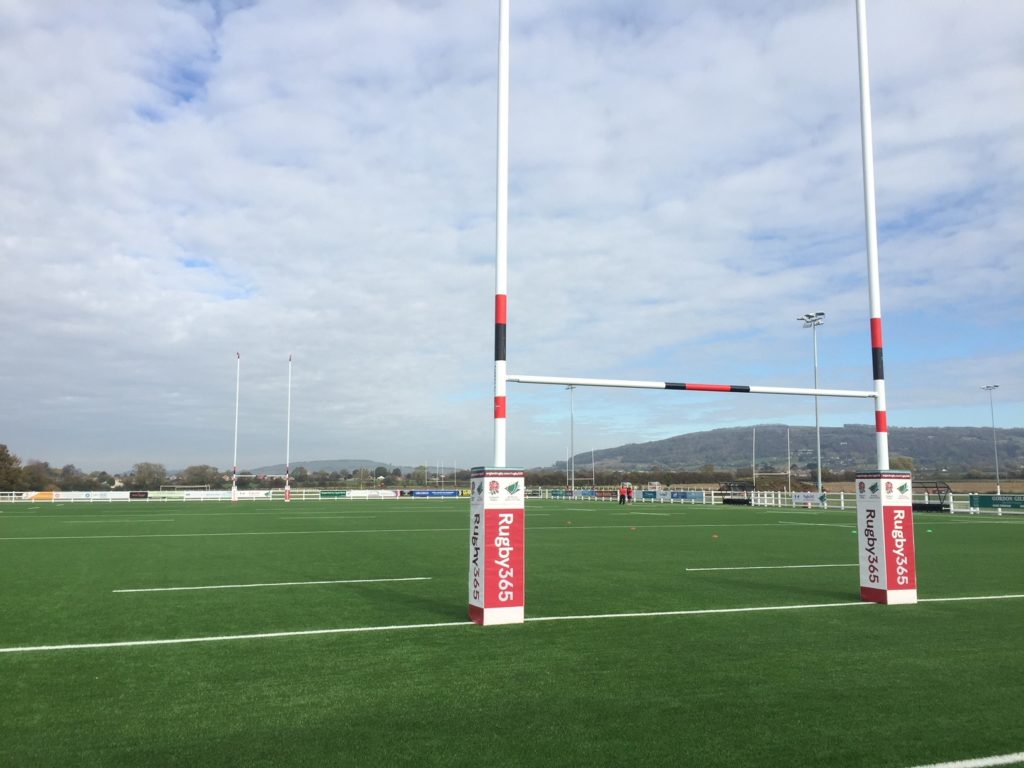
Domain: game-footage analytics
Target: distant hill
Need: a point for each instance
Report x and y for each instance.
(851, 446)
(325, 465)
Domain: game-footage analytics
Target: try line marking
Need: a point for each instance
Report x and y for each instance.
(773, 567)
(438, 625)
(980, 762)
(273, 584)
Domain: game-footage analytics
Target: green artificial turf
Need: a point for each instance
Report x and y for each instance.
(848, 684)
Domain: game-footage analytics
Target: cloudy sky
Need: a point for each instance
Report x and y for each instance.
(181, 181)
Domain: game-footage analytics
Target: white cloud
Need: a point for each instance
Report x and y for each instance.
(181, 181)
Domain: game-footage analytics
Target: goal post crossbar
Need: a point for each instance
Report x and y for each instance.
(742, 388)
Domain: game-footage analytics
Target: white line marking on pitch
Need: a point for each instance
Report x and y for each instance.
(774, 567)
(623, 526)
(354, 630)
(986, 522)
(817, 525)
(968, 597)
(222, 638)
(120, 521)
(365, 530)
(230, 533)
(659, 514)
(273, 584)
(980, 762)
(329, 517)
(754, 609)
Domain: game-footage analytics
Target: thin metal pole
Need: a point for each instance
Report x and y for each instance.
(871, 234)
(753, 456)
(995, 445)
(288, 439)
(234, 460)
(572, 443)
(789, 467)
(817, 419)
(501, 249)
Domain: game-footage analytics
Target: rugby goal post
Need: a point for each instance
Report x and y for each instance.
(872, 505)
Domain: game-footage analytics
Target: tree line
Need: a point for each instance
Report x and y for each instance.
(40, 476)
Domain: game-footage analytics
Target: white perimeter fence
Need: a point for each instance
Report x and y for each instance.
(297, 494)
(842, 500)
(957, 503)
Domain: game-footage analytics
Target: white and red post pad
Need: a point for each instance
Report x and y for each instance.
(885, 537)
(497, 535)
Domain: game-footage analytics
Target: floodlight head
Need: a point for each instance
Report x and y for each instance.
(990, 387)
(812, 319)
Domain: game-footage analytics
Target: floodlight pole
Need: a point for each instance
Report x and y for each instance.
(501, 244)
(234, 461)
(288, 439)
(995, 447)
(789, 468)
(812, 320)
(871, 234)
(753, 456)
(572, 442)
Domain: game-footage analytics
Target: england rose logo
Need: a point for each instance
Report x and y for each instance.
(493, 487)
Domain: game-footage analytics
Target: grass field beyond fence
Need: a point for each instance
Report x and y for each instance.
(335, 633)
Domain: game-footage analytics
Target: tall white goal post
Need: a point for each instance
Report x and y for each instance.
(873, 506)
